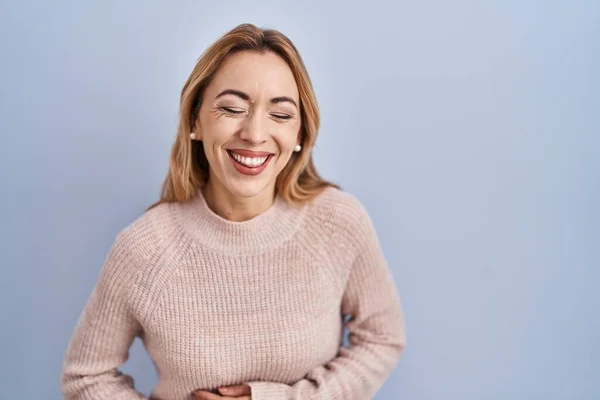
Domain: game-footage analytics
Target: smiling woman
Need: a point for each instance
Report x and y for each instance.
(249, 124)
(240, 278)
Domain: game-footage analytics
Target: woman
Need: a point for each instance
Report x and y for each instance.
(238, 279)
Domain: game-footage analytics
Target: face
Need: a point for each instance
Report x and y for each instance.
(249, 122)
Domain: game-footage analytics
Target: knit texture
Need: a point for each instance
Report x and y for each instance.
(261, 302)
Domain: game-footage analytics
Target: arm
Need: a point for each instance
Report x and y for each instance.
(377, 335)
(103, 335)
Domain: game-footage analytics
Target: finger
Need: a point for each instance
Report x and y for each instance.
(202, 395)
(235, 391)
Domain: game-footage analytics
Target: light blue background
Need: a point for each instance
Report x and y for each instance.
(470, 130)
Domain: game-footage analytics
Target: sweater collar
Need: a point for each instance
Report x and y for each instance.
(266, 230)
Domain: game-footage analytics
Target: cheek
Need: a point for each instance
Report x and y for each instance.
(287, 138)
(219, 131)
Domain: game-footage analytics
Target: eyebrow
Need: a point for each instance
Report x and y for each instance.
(244, 96)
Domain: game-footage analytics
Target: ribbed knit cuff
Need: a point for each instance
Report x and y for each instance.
(269, 390)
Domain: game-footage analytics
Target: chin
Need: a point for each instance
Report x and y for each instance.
(247, 189)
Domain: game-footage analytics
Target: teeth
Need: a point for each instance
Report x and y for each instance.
(249, 161)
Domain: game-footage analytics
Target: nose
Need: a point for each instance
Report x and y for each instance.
(254, 129)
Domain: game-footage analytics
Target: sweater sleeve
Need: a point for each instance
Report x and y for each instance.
(377, 334)
(103, 335)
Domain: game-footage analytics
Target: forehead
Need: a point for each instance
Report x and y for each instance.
(256, 73)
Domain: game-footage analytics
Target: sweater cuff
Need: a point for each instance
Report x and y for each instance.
(268, 390)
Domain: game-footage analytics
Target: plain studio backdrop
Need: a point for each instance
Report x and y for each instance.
(470, 130)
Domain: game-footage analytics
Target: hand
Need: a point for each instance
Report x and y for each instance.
(238, 392)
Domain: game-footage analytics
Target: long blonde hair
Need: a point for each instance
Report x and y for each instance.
(188, 168)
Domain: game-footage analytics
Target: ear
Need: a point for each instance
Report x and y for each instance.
(197, 129)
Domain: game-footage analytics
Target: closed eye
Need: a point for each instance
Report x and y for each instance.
(282, 116)
(231, 111)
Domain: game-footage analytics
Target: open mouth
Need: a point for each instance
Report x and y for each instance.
(249, 162)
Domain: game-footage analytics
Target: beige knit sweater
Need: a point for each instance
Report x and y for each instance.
(260, 302)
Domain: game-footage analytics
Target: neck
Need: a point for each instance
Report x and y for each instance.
(234, 208)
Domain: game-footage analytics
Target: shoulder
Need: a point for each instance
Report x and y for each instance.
(147, 236)
(143, 252)
(341, 213)
(335, 202)
(136, 266)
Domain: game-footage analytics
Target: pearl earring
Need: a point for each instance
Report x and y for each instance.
(193, 136)
(297, 148)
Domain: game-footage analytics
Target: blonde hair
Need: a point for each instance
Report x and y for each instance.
(188, 167)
